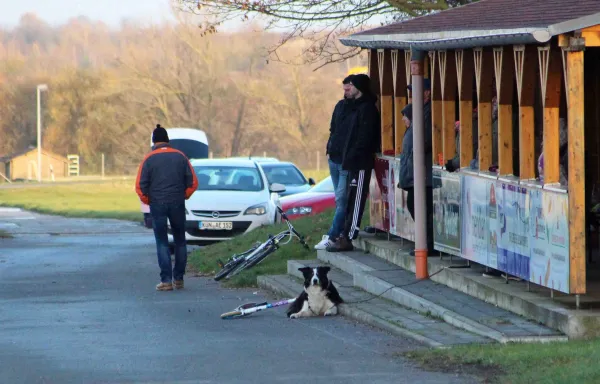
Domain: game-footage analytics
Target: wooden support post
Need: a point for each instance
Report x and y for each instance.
(448, 85)
(484, 77)
(386, 88)
(400, 98)
(436, 112)
(407, 56)
(577, 208)
(550, 77)
(464, 73)
(504, 70)
(525, 74)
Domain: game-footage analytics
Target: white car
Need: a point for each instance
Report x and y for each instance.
(233, 198)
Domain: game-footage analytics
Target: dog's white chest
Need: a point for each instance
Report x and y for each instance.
(318, 302)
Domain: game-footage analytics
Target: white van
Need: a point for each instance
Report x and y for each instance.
(192, 142)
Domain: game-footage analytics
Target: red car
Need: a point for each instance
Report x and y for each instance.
(312, 202)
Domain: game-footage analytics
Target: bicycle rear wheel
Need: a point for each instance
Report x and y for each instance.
(228, 268)
(261, 256)
(253, 261)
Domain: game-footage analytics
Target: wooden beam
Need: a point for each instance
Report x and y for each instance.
(504, 70)
(464, 72)
(595, 28)
(400, 97)
(592, 38)
(484, 77)
(447, 65)
(373, 68)
(577, 231)
(550, 81)
(436, 112)
(526, 78)
(386, 85)
(407, 56)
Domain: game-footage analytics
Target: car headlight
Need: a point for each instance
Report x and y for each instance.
(299, 211)
(259, 209)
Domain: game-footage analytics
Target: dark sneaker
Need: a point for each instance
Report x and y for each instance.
(178, 284)
(343, 244)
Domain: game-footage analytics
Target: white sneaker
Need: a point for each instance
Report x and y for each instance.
(324, 243)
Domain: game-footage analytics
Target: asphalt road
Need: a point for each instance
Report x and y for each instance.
(78, 305)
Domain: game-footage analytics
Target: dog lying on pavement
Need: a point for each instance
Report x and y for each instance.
(319, 297)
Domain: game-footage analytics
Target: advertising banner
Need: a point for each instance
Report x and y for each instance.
(477, 195)
(405, 225)
(513, 230)
(392, 190)
(378, 195)
(549, 239)
(446, 212)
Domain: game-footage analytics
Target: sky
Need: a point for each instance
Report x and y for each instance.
(111, 12)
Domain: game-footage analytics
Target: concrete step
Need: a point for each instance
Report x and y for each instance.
(551, 308)
(380, 277)
(378, 312)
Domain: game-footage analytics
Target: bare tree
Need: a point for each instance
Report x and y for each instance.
(320, 21)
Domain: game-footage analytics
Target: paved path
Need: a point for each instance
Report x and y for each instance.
(78, 305)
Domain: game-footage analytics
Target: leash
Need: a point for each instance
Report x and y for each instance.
(390, 288)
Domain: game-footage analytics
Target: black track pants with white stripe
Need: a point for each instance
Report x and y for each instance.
(358, 190)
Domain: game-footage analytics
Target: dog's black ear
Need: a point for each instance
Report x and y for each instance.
(305, 270)
(325, 270)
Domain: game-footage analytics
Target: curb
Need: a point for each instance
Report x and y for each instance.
(269, 283)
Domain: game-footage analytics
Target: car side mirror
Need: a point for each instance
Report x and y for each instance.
(277, 188)
(311, 181)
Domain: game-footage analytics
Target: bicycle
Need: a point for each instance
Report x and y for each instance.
(258, 252)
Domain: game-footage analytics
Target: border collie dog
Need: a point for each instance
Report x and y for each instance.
(319, 298)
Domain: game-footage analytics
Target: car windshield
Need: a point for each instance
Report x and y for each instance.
(284, 174)
(323, 186)
(191, 148)
(228, 178)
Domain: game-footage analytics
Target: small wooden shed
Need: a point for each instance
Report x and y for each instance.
(23, 165)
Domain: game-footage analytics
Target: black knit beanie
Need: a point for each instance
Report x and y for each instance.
(160, 135)
(362, 83)
(407, 111)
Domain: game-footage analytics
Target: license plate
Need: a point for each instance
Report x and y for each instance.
(216, 225)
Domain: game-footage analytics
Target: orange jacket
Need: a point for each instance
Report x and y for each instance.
(165, 176)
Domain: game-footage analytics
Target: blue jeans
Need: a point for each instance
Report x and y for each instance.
(175, 213)
(339, 179)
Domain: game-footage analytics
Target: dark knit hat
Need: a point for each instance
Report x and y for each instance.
(362, 83)
(160, 135)
(407, 111)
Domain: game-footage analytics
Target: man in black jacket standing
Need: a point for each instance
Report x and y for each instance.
(362, 143)
(338, 132)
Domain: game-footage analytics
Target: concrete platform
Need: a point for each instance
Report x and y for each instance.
(375, 311)
(550, 308)
(380, 277)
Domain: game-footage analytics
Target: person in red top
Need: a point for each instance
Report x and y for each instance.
(164, 181)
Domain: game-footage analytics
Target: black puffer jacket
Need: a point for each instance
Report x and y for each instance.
(364, 135)
(338, 130)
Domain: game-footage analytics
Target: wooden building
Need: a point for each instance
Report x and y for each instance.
(509, 71)
(23, 165)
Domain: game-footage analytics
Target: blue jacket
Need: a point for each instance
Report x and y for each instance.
(165, 176)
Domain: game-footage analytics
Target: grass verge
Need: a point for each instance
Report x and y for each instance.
(204, 261)
(109, 200)
(552, 363)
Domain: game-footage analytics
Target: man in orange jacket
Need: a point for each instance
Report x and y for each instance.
(164, 181)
